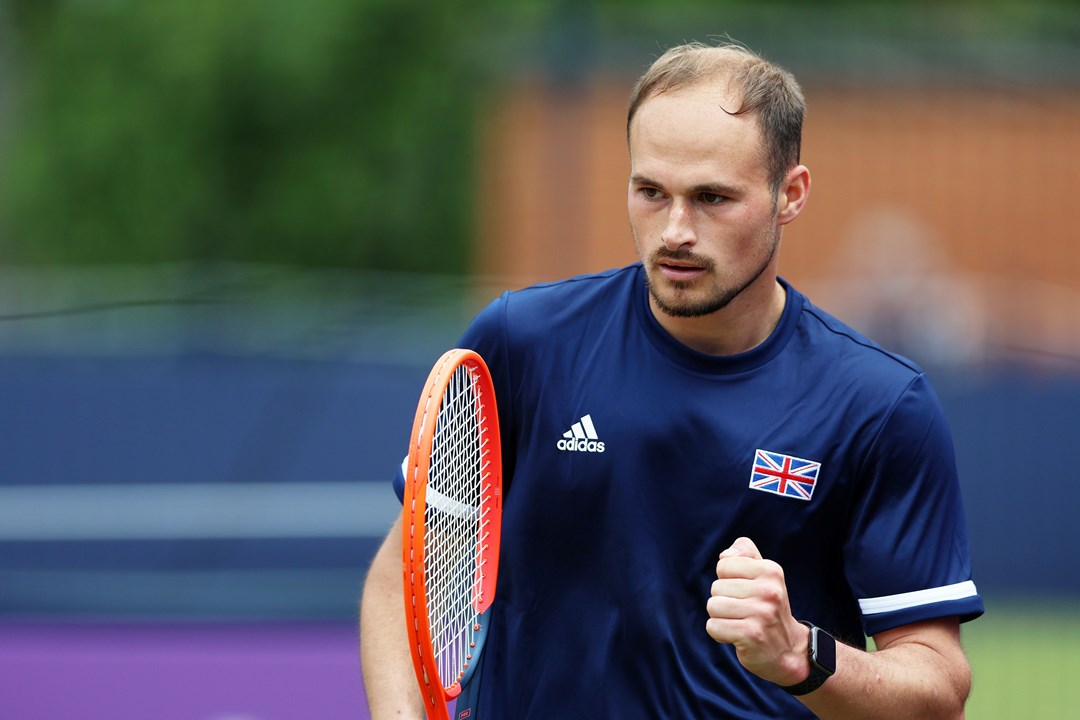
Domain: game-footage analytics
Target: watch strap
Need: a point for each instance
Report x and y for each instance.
(821, 651)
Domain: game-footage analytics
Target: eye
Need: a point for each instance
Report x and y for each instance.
(708, 198)
(651, 193)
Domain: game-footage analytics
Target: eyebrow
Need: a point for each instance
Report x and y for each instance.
(714, 188)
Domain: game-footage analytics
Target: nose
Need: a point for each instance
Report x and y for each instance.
(679, 229)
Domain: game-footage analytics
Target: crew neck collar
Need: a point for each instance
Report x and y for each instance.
(698, 361)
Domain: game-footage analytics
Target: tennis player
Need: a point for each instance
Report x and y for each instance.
(714, 490)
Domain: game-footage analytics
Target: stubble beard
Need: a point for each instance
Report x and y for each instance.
(680, 305)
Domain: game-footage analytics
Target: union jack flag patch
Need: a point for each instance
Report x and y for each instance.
(784, 474)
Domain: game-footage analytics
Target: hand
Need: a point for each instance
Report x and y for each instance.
(749, 608)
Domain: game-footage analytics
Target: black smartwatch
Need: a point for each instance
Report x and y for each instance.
(822, 653)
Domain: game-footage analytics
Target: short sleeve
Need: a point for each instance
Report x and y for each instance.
(907, 555)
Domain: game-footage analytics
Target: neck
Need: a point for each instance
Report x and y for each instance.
(745, 323)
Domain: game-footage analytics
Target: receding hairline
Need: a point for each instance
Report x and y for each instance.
(694, 65)
(752, 86)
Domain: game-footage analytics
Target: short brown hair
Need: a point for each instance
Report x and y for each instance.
(765, 88)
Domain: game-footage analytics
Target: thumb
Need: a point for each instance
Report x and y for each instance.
(742, 547)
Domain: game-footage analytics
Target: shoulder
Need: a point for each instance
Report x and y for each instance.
(574, 293)
(904, 421)
(846, 349)
(563, 306)
(883, 388)
(520, 321)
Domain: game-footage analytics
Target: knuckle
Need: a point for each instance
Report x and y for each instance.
(772, 594)
(774, 570)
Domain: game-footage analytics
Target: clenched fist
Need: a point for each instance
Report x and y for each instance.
(749, 609)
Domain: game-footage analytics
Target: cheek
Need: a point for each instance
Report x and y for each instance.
(746, 228)
(641, 238)
(636, 206)
(640, 220)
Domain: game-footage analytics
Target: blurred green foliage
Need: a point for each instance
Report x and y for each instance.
(343, 132)
(330, 132)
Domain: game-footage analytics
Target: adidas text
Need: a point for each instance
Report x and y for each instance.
(581, 445)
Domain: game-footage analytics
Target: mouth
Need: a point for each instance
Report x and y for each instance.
(678, 271)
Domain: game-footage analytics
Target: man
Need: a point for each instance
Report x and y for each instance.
(764, 479)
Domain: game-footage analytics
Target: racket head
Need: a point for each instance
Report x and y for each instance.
(452, 522)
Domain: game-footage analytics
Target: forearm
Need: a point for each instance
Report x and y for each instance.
(919, 670)
(907, 679)
(389, 680)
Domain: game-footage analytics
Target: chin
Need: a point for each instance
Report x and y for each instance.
(685, 304)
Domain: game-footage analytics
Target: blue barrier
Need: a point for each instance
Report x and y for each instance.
(283, 426)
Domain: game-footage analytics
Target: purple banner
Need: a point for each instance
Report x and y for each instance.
(180, 672)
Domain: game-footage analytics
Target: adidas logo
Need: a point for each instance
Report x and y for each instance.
(581, 437)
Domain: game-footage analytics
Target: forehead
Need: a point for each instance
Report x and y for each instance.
(689, 131)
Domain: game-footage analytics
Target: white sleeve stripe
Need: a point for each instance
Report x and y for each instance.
(903, 601)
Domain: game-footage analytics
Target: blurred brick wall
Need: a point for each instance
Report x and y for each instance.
(940, 219)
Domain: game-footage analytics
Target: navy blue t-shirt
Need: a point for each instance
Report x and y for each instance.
(631, 461)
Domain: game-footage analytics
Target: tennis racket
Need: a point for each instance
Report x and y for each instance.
(452, 521)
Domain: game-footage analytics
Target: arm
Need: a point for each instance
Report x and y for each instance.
(389, 680)
(918, 671)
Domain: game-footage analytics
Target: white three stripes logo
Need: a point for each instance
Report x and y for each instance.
(582, 429)
(581, 437)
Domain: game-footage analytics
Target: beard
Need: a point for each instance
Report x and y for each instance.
(679, 302)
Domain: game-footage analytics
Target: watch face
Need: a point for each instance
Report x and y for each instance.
(824, 650)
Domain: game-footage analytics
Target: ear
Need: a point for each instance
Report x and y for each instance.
(794, 192)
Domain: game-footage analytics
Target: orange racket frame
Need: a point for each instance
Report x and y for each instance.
(437, 691)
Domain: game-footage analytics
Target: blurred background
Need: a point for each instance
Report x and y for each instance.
(235, 235)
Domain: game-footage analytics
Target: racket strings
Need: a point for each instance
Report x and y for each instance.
(456, 519)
